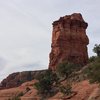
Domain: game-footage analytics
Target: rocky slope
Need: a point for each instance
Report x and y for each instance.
(84, 91)
(16, 79)
(69, 43)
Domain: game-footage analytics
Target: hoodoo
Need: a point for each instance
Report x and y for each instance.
(69, 41)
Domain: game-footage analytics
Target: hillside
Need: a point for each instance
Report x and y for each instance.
(71, 75)
(84, 91)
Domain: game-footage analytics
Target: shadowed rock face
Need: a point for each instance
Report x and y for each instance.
(69, 41)
(16, 79)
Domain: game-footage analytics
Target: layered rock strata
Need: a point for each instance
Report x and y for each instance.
(16, 79)
(69, 41)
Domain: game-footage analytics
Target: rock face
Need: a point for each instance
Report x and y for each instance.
(16, 79)
(69, 41)
(89, 92)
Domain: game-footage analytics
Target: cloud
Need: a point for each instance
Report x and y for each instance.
(3, 63)
(33, 66)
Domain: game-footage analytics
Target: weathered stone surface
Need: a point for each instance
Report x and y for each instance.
(69, 41)
(16, 79)
(89, 92)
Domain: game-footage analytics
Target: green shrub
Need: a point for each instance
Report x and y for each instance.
(49, 83)
(92, 59)
(45, 82)
(44, 86)
(93, 71)
(65, 69)
(66, 90)
(96, 49)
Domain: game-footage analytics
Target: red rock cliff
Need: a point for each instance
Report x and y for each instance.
(69, 41)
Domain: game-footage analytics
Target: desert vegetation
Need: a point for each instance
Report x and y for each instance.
(50, 82)
(93, 69)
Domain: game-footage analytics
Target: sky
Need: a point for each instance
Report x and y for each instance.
(26, 29)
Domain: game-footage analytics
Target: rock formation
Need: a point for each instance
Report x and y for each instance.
(69, 41)
(16, 79)
(89, 92)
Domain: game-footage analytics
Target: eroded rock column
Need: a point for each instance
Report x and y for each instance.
(69, 41)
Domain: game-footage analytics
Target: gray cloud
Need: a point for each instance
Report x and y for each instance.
(3, 63)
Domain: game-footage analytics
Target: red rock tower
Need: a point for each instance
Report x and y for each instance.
(69, 41)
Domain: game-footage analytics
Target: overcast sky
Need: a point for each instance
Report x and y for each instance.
(26, 27)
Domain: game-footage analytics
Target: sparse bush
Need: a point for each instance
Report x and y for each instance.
(65, 69)
(96, 49)
(66, 90)
(92, 59)
(46, 81)
(50, 81)
(93, 71)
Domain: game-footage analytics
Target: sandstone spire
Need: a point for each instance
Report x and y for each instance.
(69, 41)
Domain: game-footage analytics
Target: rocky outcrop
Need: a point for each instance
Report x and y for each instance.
(16, 79)
(69, 41)
(89, 92)
(95, 95)
(18, 92)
